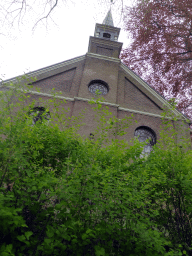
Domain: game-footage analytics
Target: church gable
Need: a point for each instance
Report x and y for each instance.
(61, 82)
(135, 99)
(101, 70)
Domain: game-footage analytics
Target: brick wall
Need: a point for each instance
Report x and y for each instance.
(73, 81)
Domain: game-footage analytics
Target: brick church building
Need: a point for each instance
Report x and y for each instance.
(101, 70)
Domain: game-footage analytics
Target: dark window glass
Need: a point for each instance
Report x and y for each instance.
(91, 136)
(106, 35)
(145, 133)
(98, 86)
(39, 114)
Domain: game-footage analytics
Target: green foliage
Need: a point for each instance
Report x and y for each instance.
(64, 195)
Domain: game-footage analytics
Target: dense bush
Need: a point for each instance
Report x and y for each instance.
(64, 195)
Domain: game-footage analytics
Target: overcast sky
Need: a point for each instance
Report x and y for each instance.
(63, 36)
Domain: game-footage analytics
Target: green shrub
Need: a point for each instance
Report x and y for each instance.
(61, 194)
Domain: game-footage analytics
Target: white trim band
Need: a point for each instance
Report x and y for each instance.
(101, 102)
(102, 57)
(87, 100)
(47, 69)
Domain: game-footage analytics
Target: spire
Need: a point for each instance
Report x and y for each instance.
(105, 39)
(108, 19)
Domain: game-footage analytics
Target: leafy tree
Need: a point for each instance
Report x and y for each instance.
(161, 47)
(61, 194)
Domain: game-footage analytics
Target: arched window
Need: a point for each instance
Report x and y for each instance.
(39, 114)
(106, 35)
(144, 133)
(91, 136)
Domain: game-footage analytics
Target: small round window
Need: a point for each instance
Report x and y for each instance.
(144, 133)
(98, 87)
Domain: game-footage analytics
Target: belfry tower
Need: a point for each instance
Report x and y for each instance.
(105, 38)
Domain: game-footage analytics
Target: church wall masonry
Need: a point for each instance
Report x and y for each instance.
(124, 93)
(64, 79)
(100, 69)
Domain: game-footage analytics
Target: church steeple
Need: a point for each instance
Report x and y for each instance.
(105, 38)
(106, 29)
(108, 19)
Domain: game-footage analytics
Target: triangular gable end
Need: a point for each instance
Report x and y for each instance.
(61, 82)
(150, 93)
(60, 76)
(135, 99)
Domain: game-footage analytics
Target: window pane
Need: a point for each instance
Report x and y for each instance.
(143, 134)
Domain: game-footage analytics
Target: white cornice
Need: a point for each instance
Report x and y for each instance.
(48, 95)
(101, 102)
(139, 112)
(41, 93)
(59, 65)
(48, 69)
(105, 41)
(102, 57)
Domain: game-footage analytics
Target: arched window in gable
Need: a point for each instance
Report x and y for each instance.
(144, 133)
(39, 114)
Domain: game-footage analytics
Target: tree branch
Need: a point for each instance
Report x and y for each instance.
(45, 17)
